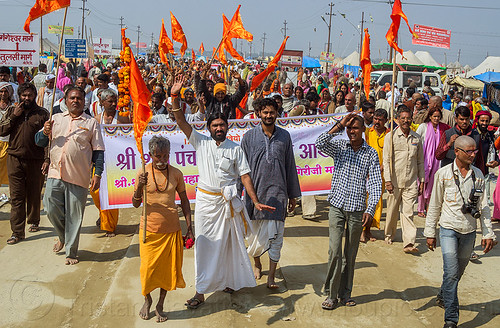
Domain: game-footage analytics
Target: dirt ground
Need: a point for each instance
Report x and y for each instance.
(392, 289)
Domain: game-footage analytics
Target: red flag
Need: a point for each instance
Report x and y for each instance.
(257, 80)
(140, 96)
(165, 45)
(202, 49)
(43, 7)
(178, 34)
(397, 13)
(193, 56)
(365, 63)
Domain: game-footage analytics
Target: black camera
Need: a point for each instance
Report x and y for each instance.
(472, 204)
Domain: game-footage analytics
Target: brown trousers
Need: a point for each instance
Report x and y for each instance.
(25, 184)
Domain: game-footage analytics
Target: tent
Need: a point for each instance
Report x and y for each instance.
(469, 84)
(409, 59)
(426, 58)
(309, 62)
(410, 63)
(352, 59)
(489, 77)
(491, 63)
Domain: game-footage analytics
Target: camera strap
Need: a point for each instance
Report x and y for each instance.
(457, 182)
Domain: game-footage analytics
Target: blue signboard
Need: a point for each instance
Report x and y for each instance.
(75, 48)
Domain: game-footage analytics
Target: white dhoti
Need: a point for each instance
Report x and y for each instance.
(220, 255)
(267, 236)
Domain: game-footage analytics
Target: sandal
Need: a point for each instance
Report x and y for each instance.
(228, 290)
(34, 228)
(329, 304)
(348, 302)
(474, 257)
(194, 303)
(14, 240)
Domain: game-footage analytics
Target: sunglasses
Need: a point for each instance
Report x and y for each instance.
(469, 152)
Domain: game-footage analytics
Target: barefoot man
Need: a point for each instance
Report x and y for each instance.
(76, 145)
(221, 259)
(161, 254)
(269, 152)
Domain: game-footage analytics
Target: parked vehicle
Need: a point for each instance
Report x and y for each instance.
(404, 78)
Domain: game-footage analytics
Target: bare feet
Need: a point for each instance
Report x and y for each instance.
(364, 237)
(160, 315)
(421, 214)
(58, 246)
(257, 270)
(144, 313)
(110, 234)
(70, 261)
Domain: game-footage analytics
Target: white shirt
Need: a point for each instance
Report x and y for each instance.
(446, 202)
(165, 118)
(343, 109)
(382, 103)
(47, 97)
(218, 166)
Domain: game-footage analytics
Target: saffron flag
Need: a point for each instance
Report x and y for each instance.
(43, 7)
(396, 15)
(214, 54)
(257, 80)
(236, 29)
(227, 44)
(165, 45)
(140, 96)
(202, 49)
(366, 63)
(193, 56)
(243, 104)
(178, 34)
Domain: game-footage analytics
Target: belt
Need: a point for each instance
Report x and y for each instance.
(217, 194)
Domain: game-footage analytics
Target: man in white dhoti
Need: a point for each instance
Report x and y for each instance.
(269, 152)
(221, 260)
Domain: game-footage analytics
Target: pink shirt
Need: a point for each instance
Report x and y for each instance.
(73, 141)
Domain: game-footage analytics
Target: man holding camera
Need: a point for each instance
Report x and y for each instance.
(457, 200)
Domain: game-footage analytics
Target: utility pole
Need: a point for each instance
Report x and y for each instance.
(309, 54)
(284, 28)
(263, 44)
(250, 45)
(152, 42)
(361, 34)
(41, 36)
(458, 59)
(329, 29)
(121, 26)
(138, 36)
(83, 15)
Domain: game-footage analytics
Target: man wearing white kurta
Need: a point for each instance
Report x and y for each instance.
(221, 260)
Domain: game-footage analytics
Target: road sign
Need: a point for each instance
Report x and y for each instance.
(75, 48)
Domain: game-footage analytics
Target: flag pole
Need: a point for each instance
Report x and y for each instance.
(144, 200)
(58, 63)
(391, 156)
(217, 50)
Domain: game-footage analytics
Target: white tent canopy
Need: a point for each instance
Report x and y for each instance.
(410, 58)
(352, 59)
(426, 58)
(490, 64)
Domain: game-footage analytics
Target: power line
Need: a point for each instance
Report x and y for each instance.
(432, 5)
(284, 29)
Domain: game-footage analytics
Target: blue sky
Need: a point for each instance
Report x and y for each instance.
(472, 27)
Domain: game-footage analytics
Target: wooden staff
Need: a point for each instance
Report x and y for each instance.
(144, 200)
(393, 98)
(58, 64)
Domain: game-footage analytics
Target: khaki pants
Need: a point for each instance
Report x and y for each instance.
(406, 198)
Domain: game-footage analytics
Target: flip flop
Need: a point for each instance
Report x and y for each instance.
(14, 240)
(228, 290)
(195, 300)
(348, 302)
(34, 228)
(329, 304)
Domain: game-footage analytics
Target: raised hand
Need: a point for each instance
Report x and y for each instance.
(178, 83)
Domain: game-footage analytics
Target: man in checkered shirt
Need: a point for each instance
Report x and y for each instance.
(356, 178)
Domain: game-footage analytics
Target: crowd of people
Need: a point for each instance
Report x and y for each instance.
(50, 133)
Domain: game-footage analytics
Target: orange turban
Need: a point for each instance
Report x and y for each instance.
(220, 87)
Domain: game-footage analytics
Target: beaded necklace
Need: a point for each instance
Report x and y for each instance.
(156, 184)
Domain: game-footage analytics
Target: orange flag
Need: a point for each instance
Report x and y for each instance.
(396, 15)
(140, 96)
(202, 49)
(178, 34)
(165, 45)
(43, 7)
(257, 80)
(193, 56)
(243, 104)
(236, 29)
(227, 44)
(366, 63)
(214, 54)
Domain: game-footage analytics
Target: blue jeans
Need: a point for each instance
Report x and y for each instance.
(456, 249)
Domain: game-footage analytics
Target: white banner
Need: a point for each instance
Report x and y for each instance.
(102, 47)
(19, 49)
(122, 159)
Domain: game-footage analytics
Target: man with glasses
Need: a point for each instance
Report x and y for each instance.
(402, 171)
(451, 205)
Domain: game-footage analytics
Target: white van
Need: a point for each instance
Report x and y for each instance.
(404, 79)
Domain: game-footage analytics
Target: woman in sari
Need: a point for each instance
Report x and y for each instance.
(430, 131)
(161, 254)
